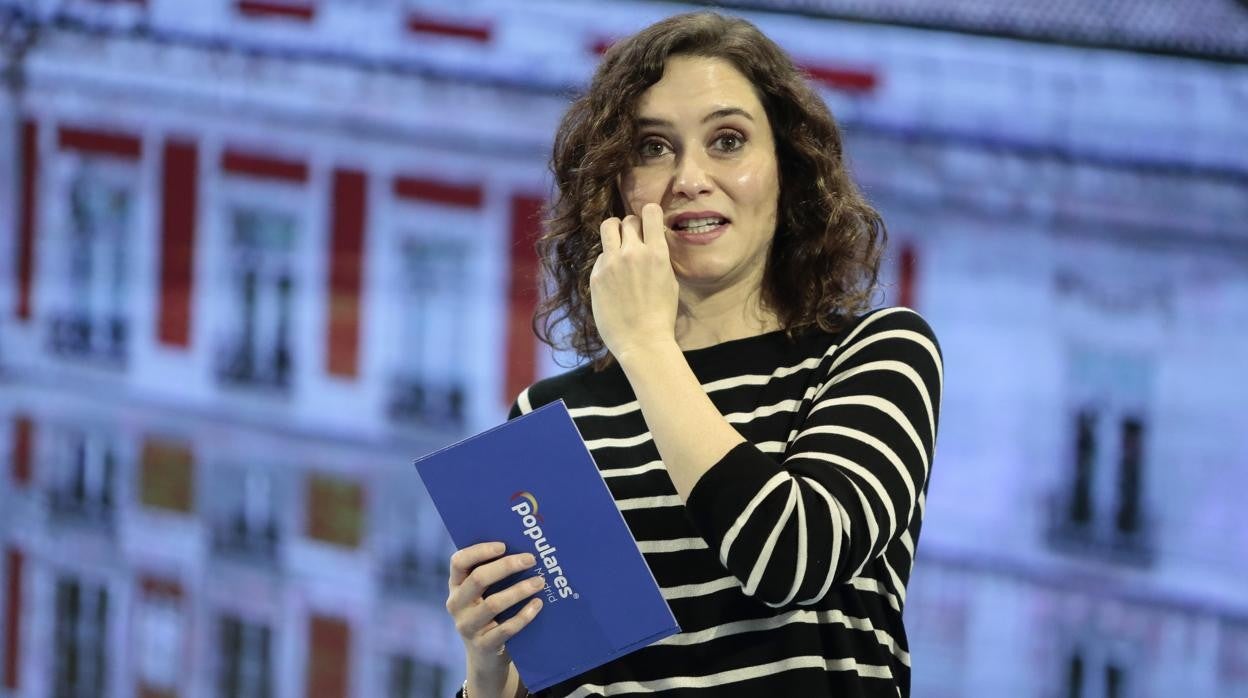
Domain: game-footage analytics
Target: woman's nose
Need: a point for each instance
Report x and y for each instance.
(691, 178)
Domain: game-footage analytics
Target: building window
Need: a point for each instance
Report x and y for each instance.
(1102, 509)
(1091, 674)
(22, 449)
(329, 657)
(93, 323)
(158, 628)
(246, 524)
(415, 556)
(1099, 508)
(245, 668)
(414, 678)
(1233, 657)
(429, 386)
(1129, 473)
(416, 571)
(80, 659)
(1113, 681)
(86, 467)
(335, 511)
(257, 349)
(167, 476)
(1085, 460)
(1074, 676)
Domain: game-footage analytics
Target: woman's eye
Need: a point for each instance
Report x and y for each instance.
(652, 149)
(729, 142)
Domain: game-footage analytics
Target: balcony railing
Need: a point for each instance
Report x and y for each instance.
(428, 403)
(1101, 536)
(416, 574)
(236, 538)
(79, 335)
(240, 364)
(70, 505)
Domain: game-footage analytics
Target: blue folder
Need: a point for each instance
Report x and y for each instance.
(532, 484)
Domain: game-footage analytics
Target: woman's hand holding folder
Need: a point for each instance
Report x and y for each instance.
(473, 570)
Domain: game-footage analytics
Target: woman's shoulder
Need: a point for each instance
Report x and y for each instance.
(897, 318)
(891, 335)
(866, 328)
(578, 387)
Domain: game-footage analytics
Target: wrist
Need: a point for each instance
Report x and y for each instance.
(486, 678)
(464, 692)
(641, 352)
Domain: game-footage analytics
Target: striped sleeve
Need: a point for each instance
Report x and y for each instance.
(853, 474)
(520, 406)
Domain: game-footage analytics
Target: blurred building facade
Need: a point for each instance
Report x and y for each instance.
(260, 254)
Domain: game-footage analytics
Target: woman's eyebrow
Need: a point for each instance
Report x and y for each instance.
(717, 114)
(727, 111)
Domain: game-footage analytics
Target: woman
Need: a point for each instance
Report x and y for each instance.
(768, 442)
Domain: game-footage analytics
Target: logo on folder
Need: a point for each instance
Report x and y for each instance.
(524, 504)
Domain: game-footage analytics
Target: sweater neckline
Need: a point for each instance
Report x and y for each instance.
(735, 352)
(733, 344)
(759, 349)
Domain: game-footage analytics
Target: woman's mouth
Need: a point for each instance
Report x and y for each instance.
(700, 231)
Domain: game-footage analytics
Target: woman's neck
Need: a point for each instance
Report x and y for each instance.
(704, 320)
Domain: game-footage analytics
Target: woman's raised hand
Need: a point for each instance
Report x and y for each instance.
(633, 289)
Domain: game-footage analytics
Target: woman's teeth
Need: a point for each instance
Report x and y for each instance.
(700, 225)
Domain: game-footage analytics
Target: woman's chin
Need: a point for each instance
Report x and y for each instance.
(701, 277)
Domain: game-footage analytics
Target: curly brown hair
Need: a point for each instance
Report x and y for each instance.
(823, 265)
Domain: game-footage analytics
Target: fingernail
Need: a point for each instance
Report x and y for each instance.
(528, 559)
(498, 548)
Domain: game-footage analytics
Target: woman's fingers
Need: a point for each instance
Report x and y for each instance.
(463, 561)
(475, 568)
(647, 228)
(482, 614)
(610, 233)
(653, 227)
(491, 639)
(467, 593)
(630, 231)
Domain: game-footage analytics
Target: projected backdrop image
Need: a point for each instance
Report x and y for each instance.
(256, 256)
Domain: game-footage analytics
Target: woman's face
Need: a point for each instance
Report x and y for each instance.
(706, 154)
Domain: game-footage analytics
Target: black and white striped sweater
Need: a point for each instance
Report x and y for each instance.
(787, 568)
